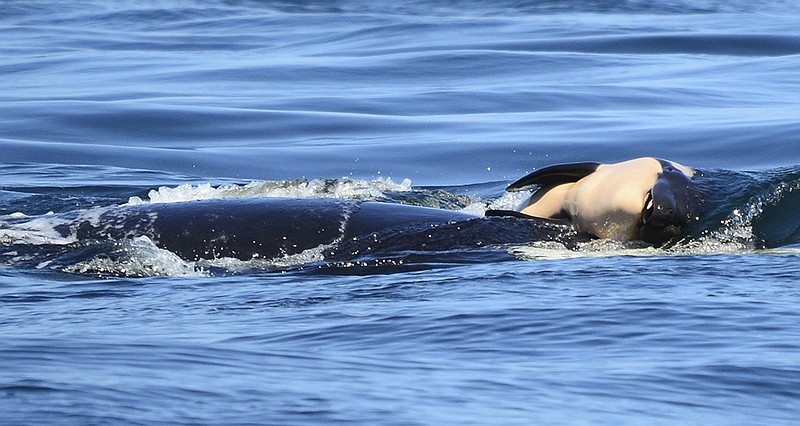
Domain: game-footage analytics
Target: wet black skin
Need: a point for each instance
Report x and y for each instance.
(247, 228)
(673, 202)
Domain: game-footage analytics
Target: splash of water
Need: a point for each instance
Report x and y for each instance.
(344, 188)
(137, 257)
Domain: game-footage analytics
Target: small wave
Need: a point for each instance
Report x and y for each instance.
(553, 250)
(140, 257)
(344, 188)
(18, 228)
(137, 257)
(381, 189)
(750, 210)
(507, 201)
(550, 250)
(710, 44)
(516, 7)
(228, 265)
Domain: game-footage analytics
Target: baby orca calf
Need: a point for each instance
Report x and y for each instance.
(645, 199)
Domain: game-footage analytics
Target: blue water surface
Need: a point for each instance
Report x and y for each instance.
(445, 101)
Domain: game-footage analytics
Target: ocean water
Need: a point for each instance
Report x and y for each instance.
(437, 104)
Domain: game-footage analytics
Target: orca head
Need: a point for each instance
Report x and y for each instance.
(669, 206)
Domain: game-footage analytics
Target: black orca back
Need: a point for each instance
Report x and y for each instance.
(247, 228)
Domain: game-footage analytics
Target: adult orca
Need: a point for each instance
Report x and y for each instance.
(645, 199)
(266, 227)
(642, 199)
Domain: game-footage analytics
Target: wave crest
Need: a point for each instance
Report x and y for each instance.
(345, 188)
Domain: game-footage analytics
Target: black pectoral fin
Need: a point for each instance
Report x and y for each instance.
(554, 175)
(507, 213)
(520, 215)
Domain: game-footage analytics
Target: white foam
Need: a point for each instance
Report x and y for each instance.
(345, 188)
(551, 250)
(791, 250)
(138, 257)
(37, 231)
(233, 265)
(508, 201)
